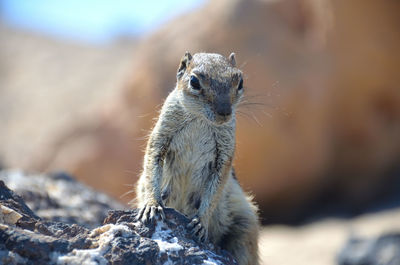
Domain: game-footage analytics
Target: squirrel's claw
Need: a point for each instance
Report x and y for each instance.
(150, 213)
(193, 223)
(198, 229)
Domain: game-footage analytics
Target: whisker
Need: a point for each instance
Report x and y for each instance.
(252, 116)
(129, 185)
(257, 95)
(262, 111)
(253, 103)
(244, 114)
(267, 114)
(130, 172)
(126, 193)
(255, 118)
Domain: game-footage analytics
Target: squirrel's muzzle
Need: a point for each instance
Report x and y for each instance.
(223, 108)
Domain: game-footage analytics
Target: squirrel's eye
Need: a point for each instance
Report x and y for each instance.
(195, 83)
(240, 87)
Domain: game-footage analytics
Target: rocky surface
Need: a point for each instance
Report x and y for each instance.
(26, 238)
(59, 197)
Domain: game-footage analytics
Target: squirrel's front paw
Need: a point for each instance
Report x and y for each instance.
(149, 213)
(199, 230)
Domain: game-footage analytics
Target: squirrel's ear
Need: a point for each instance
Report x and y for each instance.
(184, 64)
(232, 59)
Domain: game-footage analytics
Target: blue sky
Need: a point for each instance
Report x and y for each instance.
(92, 20)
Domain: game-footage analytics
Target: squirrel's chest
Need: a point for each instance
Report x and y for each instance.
(194, 149)
(191, 147)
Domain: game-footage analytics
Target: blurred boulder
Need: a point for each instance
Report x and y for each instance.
(50, 86)
(322, 121)
(383, 250)
(322, 241)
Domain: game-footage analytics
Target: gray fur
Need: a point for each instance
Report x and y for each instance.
(188, 161)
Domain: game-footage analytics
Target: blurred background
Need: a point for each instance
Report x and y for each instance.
(81, 83)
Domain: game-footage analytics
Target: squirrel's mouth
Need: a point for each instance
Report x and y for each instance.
(220, 119)
(215, 118)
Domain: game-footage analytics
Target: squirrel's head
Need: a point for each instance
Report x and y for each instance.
(210, 84)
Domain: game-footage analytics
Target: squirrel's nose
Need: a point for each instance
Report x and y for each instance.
(224, 109)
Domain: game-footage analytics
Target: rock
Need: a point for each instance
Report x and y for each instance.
(383, 250)
(10, 200)
(29, 239)
(8, 216)
(59, 197)
(319, 242)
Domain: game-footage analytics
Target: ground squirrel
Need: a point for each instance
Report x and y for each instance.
(188, 161)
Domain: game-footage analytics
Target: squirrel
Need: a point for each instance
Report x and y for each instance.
(188, 160)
